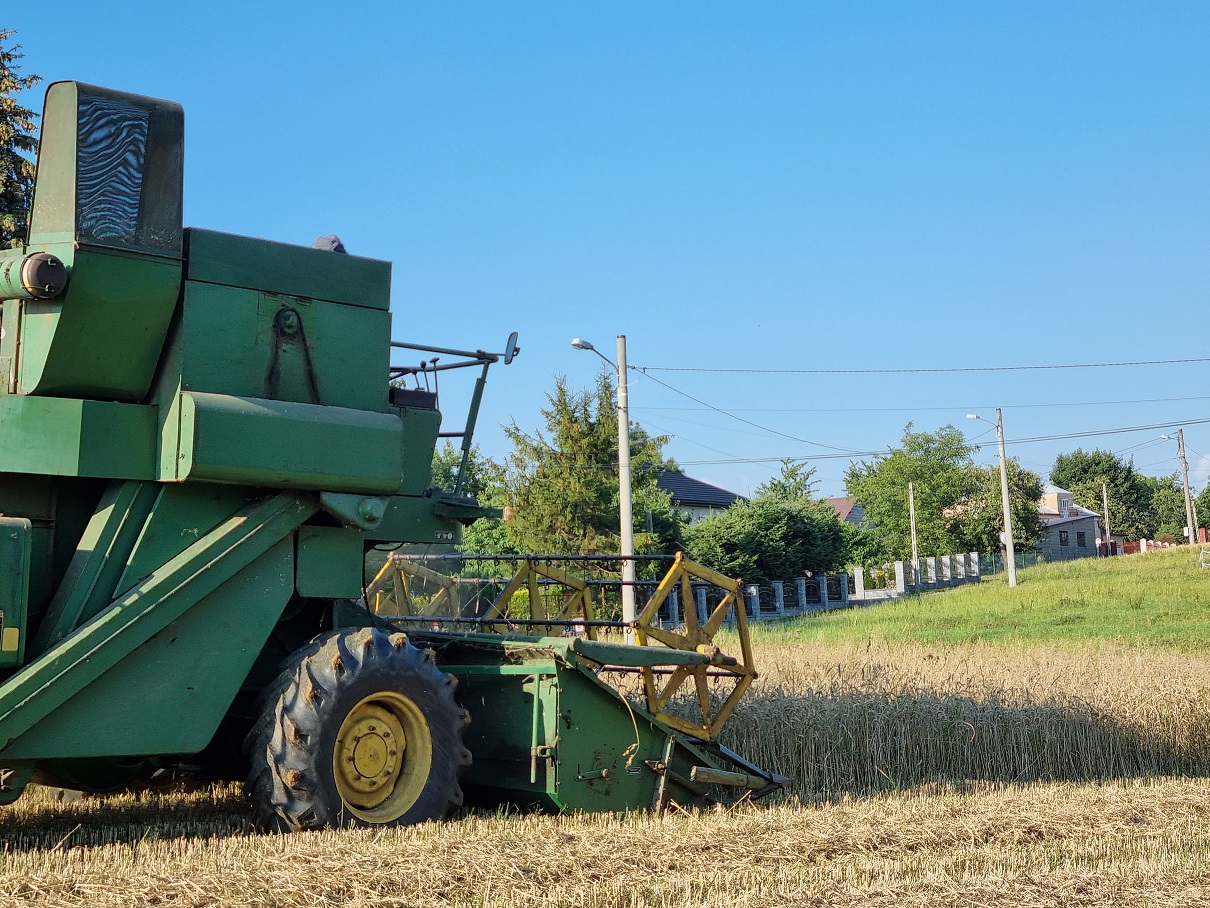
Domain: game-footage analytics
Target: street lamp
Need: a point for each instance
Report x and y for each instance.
(1190, 518)
(625, 507)
(1010, 556)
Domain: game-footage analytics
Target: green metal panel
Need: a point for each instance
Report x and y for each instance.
(66, 437)
(505, 711)
(103, 338)
(59, 509)
(53, 216)
(232, 342)
(181, 515)
(238, 261)
(413, 519)
(169, 694)
(546, 732)
(420, 428)
(100, 557)
(70, 667)
(280, 444)
(330, 563)
(15, 548)
(602, 732)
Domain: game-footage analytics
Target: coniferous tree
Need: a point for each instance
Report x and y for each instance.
(18, 145)
(562, 481)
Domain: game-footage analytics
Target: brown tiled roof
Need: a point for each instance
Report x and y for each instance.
(843, 506)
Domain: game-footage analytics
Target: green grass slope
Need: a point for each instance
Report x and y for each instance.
(1161, 599)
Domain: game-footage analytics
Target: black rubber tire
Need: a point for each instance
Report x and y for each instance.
(292, 782)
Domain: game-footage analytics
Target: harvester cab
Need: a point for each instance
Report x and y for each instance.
(201, 437)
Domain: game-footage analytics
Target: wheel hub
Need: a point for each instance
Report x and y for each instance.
(382, 757)
(369, 753)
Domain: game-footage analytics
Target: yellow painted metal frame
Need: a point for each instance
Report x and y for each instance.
(577, 602)
(698, 638)
(397, 575)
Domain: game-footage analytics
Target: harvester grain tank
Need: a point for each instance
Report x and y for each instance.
(200, 440)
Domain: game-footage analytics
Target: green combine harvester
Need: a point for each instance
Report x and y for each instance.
(200, 441)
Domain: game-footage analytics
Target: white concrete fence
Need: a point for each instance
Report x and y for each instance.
(823, 592)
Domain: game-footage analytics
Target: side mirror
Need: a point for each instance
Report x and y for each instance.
(511, 349)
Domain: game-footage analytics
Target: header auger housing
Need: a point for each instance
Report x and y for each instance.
(199, 443)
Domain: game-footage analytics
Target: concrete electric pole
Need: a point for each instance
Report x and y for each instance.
(1190, 520)
(625, 507)
(1010, 553)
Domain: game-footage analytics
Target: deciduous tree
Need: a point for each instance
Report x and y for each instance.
(1082, 473)
(958, 505)
(984, 522)
(1166, 506)
(780, 534)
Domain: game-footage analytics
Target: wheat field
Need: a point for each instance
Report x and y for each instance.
(939, 776)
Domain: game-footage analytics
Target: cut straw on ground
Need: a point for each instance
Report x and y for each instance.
(1124, 843)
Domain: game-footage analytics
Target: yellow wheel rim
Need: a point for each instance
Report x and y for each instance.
(382, 758)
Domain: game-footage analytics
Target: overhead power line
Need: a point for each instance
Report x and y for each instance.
(965, 407)
(1149, 362)
(1012, 441)
(748, 422)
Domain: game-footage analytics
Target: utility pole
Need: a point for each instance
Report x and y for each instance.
(625, 506)
(626, 513)
(1190, 520)
(915, 551)
(1108, 535)
(1010, 554)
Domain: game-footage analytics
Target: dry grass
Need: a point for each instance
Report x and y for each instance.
(975, 775)
(1127, 843)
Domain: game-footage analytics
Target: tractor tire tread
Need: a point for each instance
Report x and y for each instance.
(290, 743)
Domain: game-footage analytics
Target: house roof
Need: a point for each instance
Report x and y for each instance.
(843, 506)
(693, 493)
(1053, 519)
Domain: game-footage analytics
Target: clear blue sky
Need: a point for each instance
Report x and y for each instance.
(762, 185)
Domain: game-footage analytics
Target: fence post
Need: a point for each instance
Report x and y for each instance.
(859, 583)
(844, 588)
(752, 596)
(900, 577)
(699, 603)
(959, 568)
(800, 587)
(947, 570)
(973, 562)
(674, 608)
(930, 571)
(779, 598)
(823, 591)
